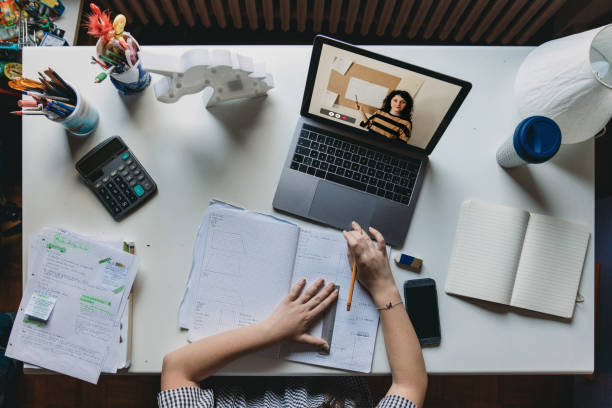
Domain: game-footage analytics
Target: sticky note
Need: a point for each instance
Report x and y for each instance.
(40, 306)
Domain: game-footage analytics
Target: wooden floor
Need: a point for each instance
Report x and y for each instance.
(140, 391)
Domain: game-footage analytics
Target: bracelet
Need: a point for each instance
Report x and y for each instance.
(389, 306)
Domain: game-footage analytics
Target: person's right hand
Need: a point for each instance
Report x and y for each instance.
(293, 317)
(373, 270)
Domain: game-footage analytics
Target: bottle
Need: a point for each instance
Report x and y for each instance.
(535, 140)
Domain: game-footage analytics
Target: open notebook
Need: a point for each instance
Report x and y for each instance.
(244, 265)
(510, 256)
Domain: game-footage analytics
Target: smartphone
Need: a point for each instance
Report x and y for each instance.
(422, 307)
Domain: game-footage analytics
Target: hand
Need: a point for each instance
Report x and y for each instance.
(357, 106)
(373, 270)
(293, 316)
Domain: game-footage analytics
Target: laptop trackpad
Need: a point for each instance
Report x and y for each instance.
(338, 206)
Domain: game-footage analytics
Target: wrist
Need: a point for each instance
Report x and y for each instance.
(267, 332)
(387, 295)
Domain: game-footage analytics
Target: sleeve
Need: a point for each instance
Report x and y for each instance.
(367, 123)
(395, 401)
(186, 397)
(405, 131)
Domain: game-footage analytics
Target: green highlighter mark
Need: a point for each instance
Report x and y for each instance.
(59, 248)
(35, 322)
(92, 300)
(119, 289)
(101, 261)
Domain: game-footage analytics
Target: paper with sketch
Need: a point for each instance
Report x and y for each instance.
(323, 254)
(244, 265)
(243, 270)
(90, 283)
(367, 92)
(341, 65)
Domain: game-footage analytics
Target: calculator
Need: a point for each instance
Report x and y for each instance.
(116, 177)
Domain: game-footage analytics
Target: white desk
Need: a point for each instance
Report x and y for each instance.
(235, 153)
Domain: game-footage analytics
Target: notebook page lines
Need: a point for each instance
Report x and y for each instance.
(486, 252)
(551, 265)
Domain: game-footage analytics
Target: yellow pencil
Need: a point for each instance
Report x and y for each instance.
(348, 304)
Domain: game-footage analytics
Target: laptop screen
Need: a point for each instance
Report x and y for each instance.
(384, 98)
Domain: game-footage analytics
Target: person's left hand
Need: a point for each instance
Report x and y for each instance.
(292, 318)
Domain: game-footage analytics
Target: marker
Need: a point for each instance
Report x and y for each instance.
(408, 262)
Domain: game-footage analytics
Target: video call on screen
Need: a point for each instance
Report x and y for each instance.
(344, 78)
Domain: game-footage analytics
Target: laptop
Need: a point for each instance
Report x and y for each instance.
(355, 157)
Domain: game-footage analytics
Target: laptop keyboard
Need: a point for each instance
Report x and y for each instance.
(334, 158)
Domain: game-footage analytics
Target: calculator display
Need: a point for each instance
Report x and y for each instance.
(100, 157)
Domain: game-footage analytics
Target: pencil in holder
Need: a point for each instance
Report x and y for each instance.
(84, 118)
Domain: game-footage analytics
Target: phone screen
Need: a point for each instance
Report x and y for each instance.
(422, 307)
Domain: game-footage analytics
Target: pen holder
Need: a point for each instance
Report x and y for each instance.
(83, 120)
(133, 80)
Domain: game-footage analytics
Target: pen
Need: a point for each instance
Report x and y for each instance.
(65, 105)
(350, 299)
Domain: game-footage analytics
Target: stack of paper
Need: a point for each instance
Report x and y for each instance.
(245, 263)
(76, 293)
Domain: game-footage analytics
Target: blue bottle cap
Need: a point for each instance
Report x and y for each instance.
(537, 139)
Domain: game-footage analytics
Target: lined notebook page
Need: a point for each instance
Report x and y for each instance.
(487, 250)
(550, 266)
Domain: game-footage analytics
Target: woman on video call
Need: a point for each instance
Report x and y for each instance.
(393, 120)
(184, 368)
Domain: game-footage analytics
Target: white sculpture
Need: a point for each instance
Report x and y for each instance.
(231, 75)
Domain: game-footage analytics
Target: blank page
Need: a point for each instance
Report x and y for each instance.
(487, 250)
(550, 266)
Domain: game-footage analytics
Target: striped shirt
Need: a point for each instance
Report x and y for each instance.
(292, 392)
(388, 125)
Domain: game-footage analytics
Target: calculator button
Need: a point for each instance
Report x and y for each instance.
(124, 173)
(116, 209)
(132, 183)
(108, 198)
(128, 161)
(136, 172)
(113, 173)
(133, 167)
(139, 190)
(99, 184)
(125, 156)
(124, 203)
(121, 168)
(141, 177)
(110, 185)
(128, 177)
(147, 185)
(105, 179)
(122, 185)
(131, 196)
(115, 191)
(102, 190)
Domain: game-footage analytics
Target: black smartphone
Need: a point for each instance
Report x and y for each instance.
(422, 307)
